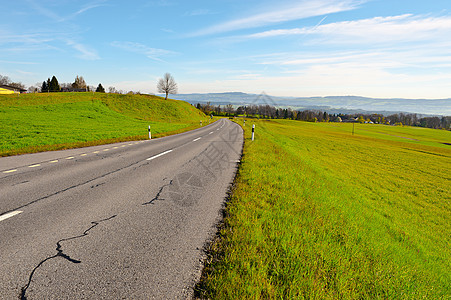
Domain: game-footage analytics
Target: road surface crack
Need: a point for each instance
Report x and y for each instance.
(157, 197)
(60, 253)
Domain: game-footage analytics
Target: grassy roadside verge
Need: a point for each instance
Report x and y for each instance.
(43, 122)
(320, 214)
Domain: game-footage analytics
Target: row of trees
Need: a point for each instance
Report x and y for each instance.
(166, 85)
(79, 85)
(406, 119)
(271, 112)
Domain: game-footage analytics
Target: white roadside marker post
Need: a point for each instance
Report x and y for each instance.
(200, 123)
(150, 134)
(253, 129)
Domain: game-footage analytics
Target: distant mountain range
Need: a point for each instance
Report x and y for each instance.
(331, 104)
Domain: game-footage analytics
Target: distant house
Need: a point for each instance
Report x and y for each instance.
(71, 89)
(7, 89)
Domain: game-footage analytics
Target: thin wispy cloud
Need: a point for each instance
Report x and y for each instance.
(24, 72)
(84, 52)
(422, 56)
(45, 41)
(41, 9)
(31, 38)
(400, 28)
(27, 42)
(152, 53)
(90, 6)
(302, 10)
(51, 14)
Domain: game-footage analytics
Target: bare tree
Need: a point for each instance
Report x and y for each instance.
(79, 83)
(34, 89)
(4, 80)
(18, 85)
(167, 85)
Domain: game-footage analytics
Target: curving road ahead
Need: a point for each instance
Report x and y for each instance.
(121, 221)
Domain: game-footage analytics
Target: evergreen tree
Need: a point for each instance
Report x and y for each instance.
(100, 89)
(54, 85)
(44, 87)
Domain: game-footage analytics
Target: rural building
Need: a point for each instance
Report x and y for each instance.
(7, 89)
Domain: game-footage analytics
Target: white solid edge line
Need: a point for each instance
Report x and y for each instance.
(9, 215)
(196, 139)
(158, 155)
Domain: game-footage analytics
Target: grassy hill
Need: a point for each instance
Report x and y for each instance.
(319, 213)
(40, 122)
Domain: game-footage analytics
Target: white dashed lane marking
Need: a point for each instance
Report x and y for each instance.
(72, 157)
(196, 139)
(158, 155)
(9, 215)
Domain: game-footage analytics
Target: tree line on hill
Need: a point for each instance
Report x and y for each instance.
(79, 85)
(271, 112)
(166, 85)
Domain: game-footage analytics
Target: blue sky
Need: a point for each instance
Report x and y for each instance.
(374, 48)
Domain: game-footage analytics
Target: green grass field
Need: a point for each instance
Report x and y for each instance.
(319, 213)
(40, 122)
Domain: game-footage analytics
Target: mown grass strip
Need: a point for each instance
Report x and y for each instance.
(43, 122)
(320, 214)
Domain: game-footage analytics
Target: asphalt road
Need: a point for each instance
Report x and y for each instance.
(121, 221)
